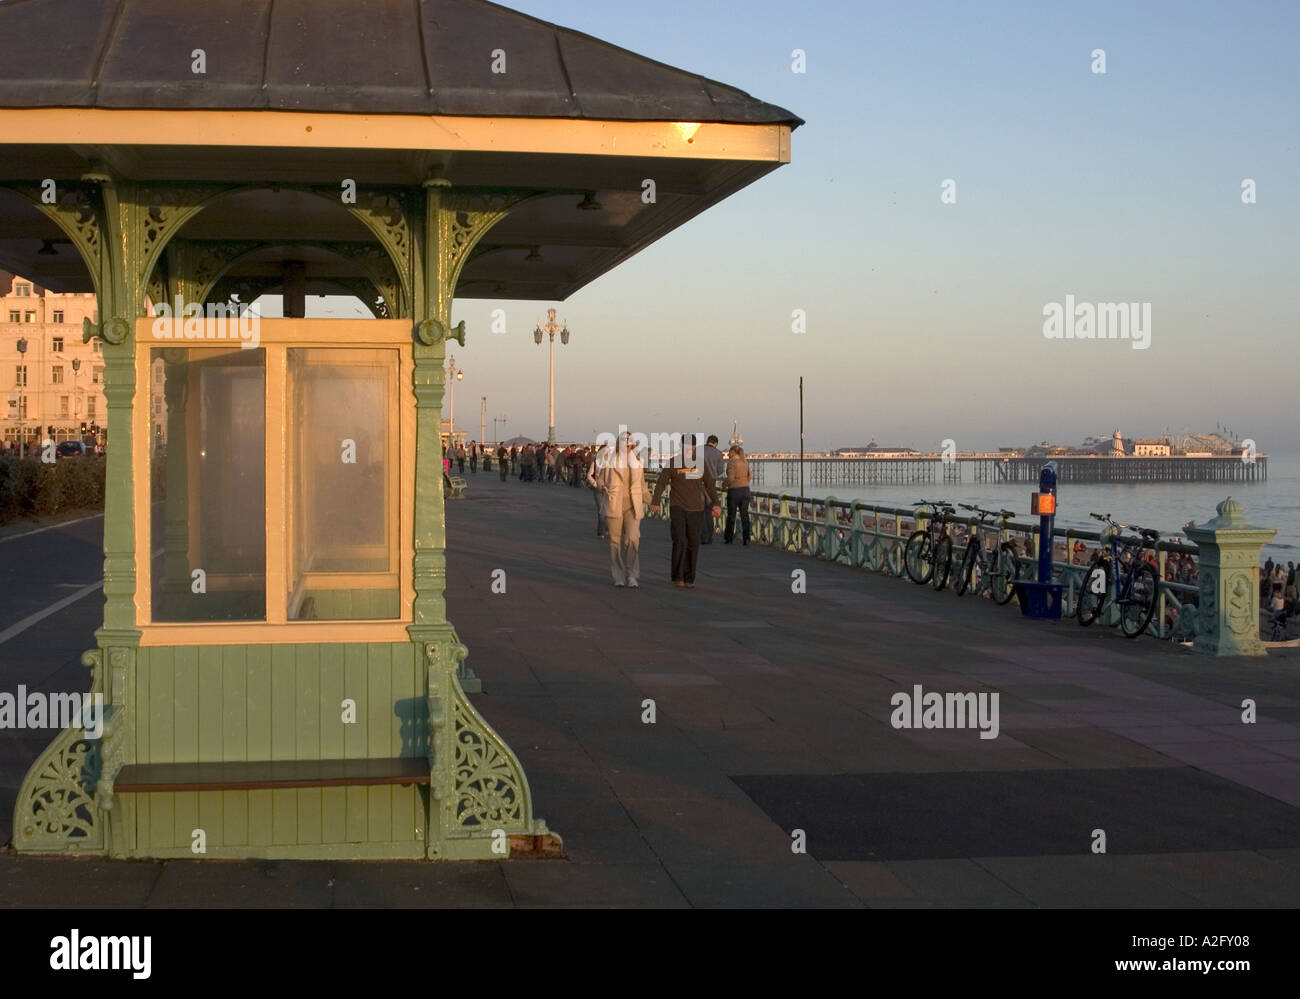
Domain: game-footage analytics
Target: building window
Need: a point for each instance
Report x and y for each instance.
(97, 375)
(63, 405)
(90, 408)
(57, 346)
(20, 375)
(58, 315)
(23, 290)
(15, 316)
(98, 344)
(29, 317)
(56, 374)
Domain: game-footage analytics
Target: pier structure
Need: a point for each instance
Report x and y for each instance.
(835, 470)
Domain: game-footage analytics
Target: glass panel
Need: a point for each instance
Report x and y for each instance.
(208, 426)
(342, 488)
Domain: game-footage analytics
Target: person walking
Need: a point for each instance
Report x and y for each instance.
(502, 465)
(688, 489)
(620, 476)
(737, 495)
(715, 466)
(473, 456)
(460, 459)
(596, 460)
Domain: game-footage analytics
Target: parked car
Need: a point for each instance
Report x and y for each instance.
(70, 449)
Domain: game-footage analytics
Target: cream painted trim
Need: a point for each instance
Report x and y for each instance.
(142, 494)
(325, 130)
(350, 580)
(277, 540)
(360, 333)
(258, 633)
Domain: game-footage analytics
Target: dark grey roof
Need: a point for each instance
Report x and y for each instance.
(364, 56)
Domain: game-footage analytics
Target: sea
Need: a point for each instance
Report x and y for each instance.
(1165, 506)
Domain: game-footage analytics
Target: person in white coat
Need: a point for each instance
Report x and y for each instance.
(620, 476)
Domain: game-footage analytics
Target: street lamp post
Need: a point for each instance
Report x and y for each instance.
(454, 374)
(22, 402)
(551, 327)
(482, 420)
(76, 394)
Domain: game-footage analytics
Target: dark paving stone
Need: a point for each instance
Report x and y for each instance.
(81, 883)
(550, 884)
(1027, 814)
(799, 882)
(415, 885)
(218, 884)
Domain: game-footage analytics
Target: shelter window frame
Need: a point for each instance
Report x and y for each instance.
(277, 339)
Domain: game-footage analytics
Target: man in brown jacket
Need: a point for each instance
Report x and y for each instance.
(688, 489)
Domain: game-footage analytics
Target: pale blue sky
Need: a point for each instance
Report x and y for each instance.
(925, 319)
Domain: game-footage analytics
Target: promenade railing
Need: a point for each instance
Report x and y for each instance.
(873, 537)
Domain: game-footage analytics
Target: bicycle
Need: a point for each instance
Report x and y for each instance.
(928, 555)
(995, 568)
(1123, 573)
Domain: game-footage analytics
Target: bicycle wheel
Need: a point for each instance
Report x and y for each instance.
(970, 566)
(1002, 585)
(1094, 591)
(916, 558)
(942, 562)
(1136, 609)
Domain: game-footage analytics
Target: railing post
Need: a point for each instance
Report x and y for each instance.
(1228, 613)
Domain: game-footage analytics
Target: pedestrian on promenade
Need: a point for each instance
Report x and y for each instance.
(460, 459)
(514, 458)
(737, 495)
(622, 481)
(688, 490)
(550, 464)
(526, 464)
(1291, 595)
(473, 456)
(502, 466)
(715, 466)
(596, 461)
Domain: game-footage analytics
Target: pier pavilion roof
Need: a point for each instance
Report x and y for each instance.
(389, 92)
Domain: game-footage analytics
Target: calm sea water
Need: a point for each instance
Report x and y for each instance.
(1166, 506)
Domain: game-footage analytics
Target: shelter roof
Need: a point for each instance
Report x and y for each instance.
(383, 92)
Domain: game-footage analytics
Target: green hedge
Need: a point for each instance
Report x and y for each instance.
(33, 488)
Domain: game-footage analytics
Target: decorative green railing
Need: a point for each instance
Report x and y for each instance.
(873, 537)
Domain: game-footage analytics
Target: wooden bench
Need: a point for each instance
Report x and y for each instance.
(274, 774)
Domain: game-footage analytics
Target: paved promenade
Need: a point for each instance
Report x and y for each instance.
(772, 715)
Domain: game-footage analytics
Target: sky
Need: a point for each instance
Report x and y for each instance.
(924, 318)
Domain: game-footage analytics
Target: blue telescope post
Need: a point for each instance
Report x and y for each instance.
(1046, 520)
(1041, 598)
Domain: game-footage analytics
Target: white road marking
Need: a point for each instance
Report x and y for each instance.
(52, 527)
(41, 615)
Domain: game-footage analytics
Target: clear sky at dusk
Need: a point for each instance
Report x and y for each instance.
(925, 320)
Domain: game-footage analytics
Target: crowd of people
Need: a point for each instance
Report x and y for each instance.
(616, 474)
